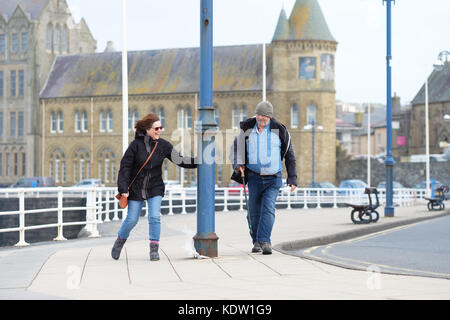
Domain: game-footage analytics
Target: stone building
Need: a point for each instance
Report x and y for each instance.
(81, 104)
(32, 34)
(438, 106)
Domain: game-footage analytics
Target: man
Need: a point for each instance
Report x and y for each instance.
(258, 153)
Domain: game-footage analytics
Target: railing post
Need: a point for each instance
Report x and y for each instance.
(334, 199)
(170, 203)
(241, 200)
(60, 236)
(107, 195)
(318, 198)
(225, 200)
(305, 201)
(289, 200)
(22, 241)
(93, 214)
(183, 201)
(116, 210)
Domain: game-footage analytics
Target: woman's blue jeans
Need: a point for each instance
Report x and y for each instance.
(262, 194)
(134, 212)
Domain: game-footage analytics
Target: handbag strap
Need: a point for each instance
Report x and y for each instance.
(146, 161)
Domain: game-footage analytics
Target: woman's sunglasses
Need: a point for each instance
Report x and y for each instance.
(158, 128)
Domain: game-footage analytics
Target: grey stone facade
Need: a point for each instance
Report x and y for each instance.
(32, 34)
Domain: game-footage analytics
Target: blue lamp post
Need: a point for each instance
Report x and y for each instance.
(389, 162)
(205, 241)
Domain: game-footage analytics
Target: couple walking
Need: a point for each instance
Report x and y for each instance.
(258, 153)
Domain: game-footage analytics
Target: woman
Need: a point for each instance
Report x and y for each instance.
(149, 185)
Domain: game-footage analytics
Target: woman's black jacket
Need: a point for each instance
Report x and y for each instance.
(149, 182)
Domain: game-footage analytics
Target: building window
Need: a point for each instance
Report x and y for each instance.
(64, 40)
(82, 165)
(49, 37)
(60, 121)
(24, 41)
(311, 117)
(107, 166)
(53, 122)
(1, 83)
(56, 39)
(12, 124)
(21, 83)
(1, 164)
(132, 118)
(8, 165)
(20, 124)
(294, 116)
(180, 118)
(102, 121)
(217, 115)
(110, 121)
(235, 117)
(16, 164)
(162, 116)
(24, 164)
(77, 121)
(85, 121)
(13, 83)
(15, 43)
(1, 124)
(2, 43)
(57, 166)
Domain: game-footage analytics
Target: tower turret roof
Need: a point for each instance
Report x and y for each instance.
(282, 29)
(308, 23)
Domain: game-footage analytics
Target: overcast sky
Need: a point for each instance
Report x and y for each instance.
(421, 29)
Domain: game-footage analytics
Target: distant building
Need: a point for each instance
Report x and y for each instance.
(438, 106)
(85, 90)
(32, 34)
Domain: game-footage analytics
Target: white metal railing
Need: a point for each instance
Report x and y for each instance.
(101, 205)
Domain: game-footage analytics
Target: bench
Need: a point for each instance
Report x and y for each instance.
(365, 213)
(437, 203)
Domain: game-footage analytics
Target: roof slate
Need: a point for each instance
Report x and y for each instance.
(32, 7)
(235, 68)
(438, 87)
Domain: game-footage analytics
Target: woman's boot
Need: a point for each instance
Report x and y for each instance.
(117, 248)
(154, 255)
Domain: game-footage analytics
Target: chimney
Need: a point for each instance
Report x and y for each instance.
(109, 47)
(396, 107)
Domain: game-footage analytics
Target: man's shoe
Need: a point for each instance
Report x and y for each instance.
(266, 248)
(154, 255)
(117, 248)
(256, 247)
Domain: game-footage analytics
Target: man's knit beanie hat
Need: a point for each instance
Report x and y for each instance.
(264, 108)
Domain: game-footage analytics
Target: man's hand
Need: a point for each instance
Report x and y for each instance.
(241, 169)
(293, 187)
(125, 194)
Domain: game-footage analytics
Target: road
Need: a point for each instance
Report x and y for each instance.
(421, 249)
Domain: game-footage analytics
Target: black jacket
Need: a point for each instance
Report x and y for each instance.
(149, 182)
(239, 152)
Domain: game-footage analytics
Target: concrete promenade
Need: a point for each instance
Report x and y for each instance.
(83, 268)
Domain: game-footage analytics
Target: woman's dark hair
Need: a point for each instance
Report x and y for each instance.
(146, 123)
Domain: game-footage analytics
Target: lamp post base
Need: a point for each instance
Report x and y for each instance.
(206, 244)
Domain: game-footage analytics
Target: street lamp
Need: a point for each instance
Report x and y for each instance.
(312, 127)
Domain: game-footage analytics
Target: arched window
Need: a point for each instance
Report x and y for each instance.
(180, 118)
(56, 38)
(235, 117)
(53, 121)
(110, 121)
(162, 116)
(64, 39)
(188, 118)
(294, 116)
(85, 121)
(243, 113)
(57, 165)
(102, 121)
(81, 165)
(77, 121)
(311, 117)
(133, 117)
(217, 115)
(107, 166)
(60, 122)
(49, 37)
